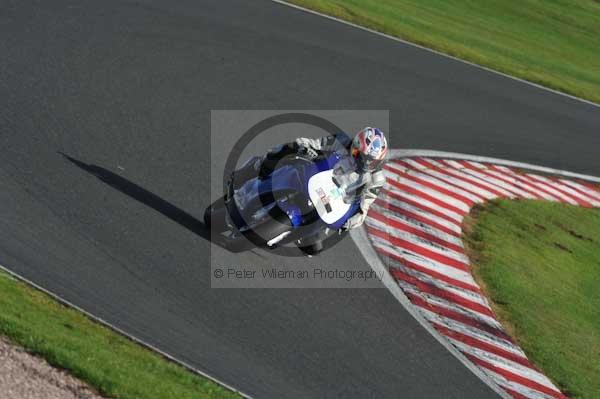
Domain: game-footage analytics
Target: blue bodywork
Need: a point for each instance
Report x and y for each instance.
(290, 178)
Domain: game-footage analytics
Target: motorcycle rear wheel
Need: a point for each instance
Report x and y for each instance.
(215, 216)
(313, 249)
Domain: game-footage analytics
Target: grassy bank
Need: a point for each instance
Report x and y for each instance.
(540, 264)
(112, 364)
(551, 42)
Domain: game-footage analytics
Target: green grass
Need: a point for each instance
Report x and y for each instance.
(109, 362)
(539, 263)
(551, 42)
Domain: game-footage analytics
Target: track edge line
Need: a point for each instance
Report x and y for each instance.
(469, 157)
(116, 329)
(404, 41)
(361, 239)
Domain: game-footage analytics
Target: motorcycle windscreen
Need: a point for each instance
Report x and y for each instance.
(328, 198)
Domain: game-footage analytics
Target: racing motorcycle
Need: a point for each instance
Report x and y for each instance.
(304, 202)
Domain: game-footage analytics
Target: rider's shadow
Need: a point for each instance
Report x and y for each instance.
(147, 198)
(164, 207)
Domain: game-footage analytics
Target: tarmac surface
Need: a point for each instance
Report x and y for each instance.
(125, 89)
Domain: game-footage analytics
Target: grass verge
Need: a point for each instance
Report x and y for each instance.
(551, 42)
(109, 362)
(539, 263)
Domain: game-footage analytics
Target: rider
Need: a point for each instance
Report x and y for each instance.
(369, 149)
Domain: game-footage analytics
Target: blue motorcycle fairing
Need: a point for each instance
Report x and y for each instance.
(291, 178)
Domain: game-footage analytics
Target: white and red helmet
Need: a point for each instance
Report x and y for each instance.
(369, 148)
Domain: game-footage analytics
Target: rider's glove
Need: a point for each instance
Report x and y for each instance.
(309, 152)
(355, 221)
(308, 147)
(305, 142)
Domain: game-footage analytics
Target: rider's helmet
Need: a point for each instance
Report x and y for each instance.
(369, 148)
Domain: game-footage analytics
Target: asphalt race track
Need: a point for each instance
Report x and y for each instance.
(125, 89)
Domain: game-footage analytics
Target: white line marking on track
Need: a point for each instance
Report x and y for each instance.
(487, 69)
(359, 236)
(445, 298)
(126, 334)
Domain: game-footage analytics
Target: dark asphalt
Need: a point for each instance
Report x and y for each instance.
(126, 88)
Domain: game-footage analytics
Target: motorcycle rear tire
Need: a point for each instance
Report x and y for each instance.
(215, 216)
(313, 249)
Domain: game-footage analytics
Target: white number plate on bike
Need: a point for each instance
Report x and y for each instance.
(327, 197)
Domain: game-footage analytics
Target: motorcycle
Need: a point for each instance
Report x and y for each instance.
(304, 201)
